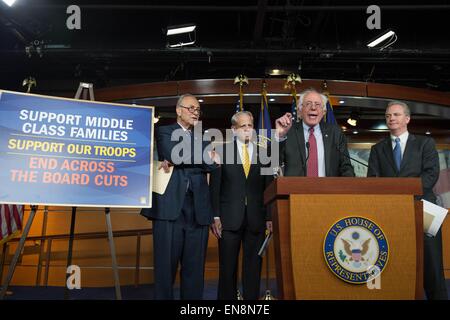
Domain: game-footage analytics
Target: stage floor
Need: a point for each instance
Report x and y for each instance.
(143, 292)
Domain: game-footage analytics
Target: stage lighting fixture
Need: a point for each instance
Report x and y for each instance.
(383, 41)
(353, 119)
(181, 35)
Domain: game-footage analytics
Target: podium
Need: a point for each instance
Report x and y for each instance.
(310, 213)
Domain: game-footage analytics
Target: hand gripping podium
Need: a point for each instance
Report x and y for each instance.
(330, 232)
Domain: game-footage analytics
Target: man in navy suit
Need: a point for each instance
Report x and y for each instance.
(182, 215)
(406, 155)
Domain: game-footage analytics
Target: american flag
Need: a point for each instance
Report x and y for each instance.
(11, 217)
(264, 127)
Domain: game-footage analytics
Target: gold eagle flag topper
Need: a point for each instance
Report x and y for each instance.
(291, 82)
(241, 80)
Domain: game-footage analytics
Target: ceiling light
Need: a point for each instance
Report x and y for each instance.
(272, 100)
(388, 38)
(341, 101)
(428, 133)
(180, 36)
(381, 126)
(275, 72)
(279, 71)
(353, 119)
(201, 100)
(355, 132)
(180, 29)
(9, 2)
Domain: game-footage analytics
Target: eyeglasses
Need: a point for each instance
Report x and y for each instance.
(309, 104)
(193, 110)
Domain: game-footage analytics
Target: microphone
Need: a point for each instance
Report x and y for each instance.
(305, 166)
(348, 157)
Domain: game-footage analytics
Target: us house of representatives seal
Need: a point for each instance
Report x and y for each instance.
(353, 246)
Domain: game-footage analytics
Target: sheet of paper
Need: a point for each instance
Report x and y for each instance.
(160, 178)
(433, 217)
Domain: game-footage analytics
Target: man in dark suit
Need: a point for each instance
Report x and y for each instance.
(182, 215)
(407, 155)
(312, 148)
(237, 189)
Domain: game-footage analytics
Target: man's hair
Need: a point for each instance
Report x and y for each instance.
(404, 105)
(303, 94)
(180, 99)
(234, 118)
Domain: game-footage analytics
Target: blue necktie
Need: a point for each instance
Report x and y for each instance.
(397, 153)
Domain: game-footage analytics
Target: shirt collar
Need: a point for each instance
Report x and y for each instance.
(403, 137)
(306, 127)
(184, 129)
(240, 143)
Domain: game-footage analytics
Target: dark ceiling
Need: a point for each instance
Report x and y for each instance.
(123, 42)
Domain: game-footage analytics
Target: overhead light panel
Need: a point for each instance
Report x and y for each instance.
(180, 29)
(9, 2)
(384, 40)
(180, 36)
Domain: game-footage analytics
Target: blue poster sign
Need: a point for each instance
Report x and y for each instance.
(57, 151)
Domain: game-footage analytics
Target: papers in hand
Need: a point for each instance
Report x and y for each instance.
(160, 178)
(265, 245)
(433, 217)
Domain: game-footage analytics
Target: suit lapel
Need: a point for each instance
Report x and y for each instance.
(300, 140)
(327, 147)
(254, 159)
(409, 149)
(389, 154)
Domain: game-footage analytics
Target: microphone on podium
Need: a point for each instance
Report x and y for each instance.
(305, 166)
(348, 157)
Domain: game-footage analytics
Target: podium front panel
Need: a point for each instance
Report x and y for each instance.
(311, 219)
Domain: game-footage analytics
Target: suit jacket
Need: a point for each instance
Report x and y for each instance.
(420, 159)
(293, 153)
(230, 189)
(185, 174)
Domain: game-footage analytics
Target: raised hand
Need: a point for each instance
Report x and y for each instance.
(283, 124)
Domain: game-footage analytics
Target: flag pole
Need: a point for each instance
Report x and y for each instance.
(241, 80)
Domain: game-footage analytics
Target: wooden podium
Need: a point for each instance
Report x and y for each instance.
(303, 211)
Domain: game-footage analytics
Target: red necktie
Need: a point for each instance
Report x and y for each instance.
(313, 162)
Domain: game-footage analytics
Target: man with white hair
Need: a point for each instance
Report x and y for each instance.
(309, 147)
